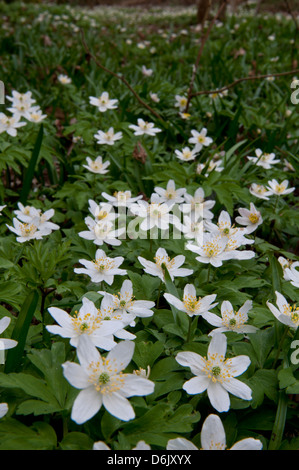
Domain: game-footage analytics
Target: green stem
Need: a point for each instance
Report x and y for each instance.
(283, 336)
(189, 330)
(159, 294)
(279, 424)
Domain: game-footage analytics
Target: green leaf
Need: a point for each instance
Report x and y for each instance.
(20, 332)
(31, 167)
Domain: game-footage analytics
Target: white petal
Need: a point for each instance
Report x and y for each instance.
(86, 405)
(75, 374)
(218, 396)
(212, 432)
(180, 443)
(118, 406)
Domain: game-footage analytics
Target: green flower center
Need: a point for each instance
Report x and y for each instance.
(216, 371)
(104, 378)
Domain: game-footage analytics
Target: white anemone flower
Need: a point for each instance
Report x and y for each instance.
(125, 304)
(285, 313)
(10, 124)
(121, 198)
(64, 79)
(103, 102)
(259, 190)
(211, 251)
(102, 382)
(146, 72)
(39, 219)
(291, 274)
(196, 205)
(181, 102)
(251, 218)
(265, 160)
(285, 265)
(186, 154)
(144, 128)
(103, 268)
(100, 445)
(35, 114)
(213, 437)
(4, 342)
(173, 265)
(215, 374)
(154, 213)
(200, 139)
(85, 322)
(193, 229)
(109, 137)
(279, 189)
(231, 320)
(3, 409)
(25, 231)
(107, 312)
(191, 304)
(171, 194)
(102, 212)
(101, 232)
(97, 166)
(21, 98)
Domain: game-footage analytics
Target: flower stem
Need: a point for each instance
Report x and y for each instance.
(279, 424)
(283, 336)
(189, 330)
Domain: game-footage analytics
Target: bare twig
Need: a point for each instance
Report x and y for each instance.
(204, 40)
(231, 85)
(119, 77)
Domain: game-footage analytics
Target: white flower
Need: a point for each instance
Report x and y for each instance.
(85, 322)
(258, 190)
(101, 232)
(224, 226)
(21, 98)
(212, 250)
(190, 304)
(181, 102)
(154, 97)
(171, 194)
(103, 102)
(109, 137)
(102, 212)
(285, 313)
(144, 128)
(193, 229)
(146, 72)
(291, 274)
(4, 342)
(250, 218)
(265, 160)
(64, 79)
(10, 124)
(34, 217)
(97, 165)
(124, 303)
(103, 268)
(100, 445)
(107, 312)
(213, 165)
(172, 265)
(196, 206)
(231, 320)
(1, 208)
(213, 438)
(215, 374)
(279, 188)
(3, 409)
(200, 139)
(35, 114)
(25, 231)
(154, 213)
(121, 198)
(102, 383)
(186, 155)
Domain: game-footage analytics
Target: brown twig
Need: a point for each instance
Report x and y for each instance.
(204, 40)
(119, 77)
(231, 85)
